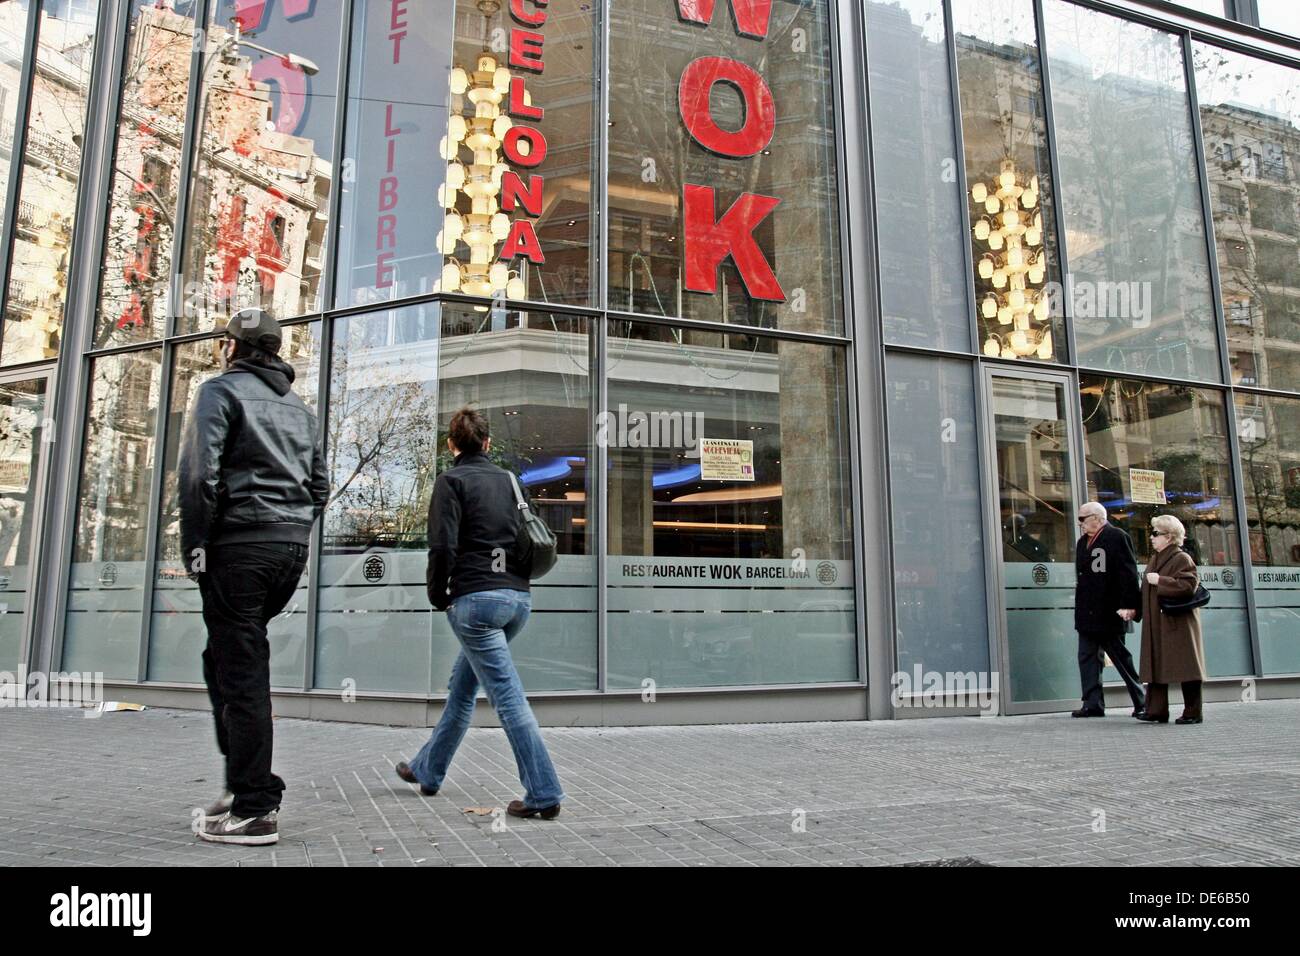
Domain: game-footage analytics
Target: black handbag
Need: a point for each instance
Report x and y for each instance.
(1185, 605)
(535, 545)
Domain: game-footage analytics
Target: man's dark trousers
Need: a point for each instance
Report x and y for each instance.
(1091, 644)
(243, 587)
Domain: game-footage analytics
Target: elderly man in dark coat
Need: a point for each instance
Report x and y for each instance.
(1171, 643)
(1105, 601)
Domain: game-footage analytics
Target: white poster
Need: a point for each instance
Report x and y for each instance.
(726, 459)
(1146, 487)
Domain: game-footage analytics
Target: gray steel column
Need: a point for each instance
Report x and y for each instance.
(867, 363)
(327, 299)
(67, 399)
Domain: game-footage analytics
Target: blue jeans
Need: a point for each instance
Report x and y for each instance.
(485, 622)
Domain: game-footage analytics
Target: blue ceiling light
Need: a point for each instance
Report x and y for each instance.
(550, 470)
(676, 476)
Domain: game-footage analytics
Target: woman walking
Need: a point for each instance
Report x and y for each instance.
(473, 576)
(1171, 643)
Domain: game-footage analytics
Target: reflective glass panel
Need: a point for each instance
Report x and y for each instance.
(102, 629)
(47, 196)
(1140, 281)
(396, 379)
(1250, 123)
(22, 418)
(260, 202)
(177, 634)
(134, 293)
(1268, 431)
(722, 180)
(938, 532)
(1156, 449)
(918, 217)
(730, 521)
(1008, 180)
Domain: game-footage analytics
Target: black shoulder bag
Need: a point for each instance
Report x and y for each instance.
(535, 546)
(1187, 605)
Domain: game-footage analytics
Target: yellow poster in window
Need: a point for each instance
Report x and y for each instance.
(726, 459)
(1146, 487)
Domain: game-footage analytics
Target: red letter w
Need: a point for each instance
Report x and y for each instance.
(751, 16)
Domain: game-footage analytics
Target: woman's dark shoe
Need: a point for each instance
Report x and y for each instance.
(1153, 718)
(406, 773)
(517, 808)
(1188, 720)
(1087, 712)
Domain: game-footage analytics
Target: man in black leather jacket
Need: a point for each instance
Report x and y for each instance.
(252, 481)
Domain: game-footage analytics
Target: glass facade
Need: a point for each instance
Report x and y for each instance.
(707, 295)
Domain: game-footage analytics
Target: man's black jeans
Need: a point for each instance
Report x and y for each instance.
(243, 587)
(1090, 647)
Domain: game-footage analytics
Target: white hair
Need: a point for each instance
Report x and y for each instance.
(1096, 509)
(1170, 526)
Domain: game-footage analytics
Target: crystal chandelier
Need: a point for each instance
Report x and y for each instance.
(1012, 301)
(476, 126)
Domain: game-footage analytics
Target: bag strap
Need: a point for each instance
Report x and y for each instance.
(519, 495)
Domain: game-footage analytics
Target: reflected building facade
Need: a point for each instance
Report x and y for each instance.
(808, 326)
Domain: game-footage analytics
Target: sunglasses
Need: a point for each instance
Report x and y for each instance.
(1159, 534)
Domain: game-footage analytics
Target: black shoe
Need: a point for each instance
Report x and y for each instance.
(243, 831)
(1087, 712)
(1188, 720)
(517, 808)
(406, 773)
(1154, 719)
(1139, 713)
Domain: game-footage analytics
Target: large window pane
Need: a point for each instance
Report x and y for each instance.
(177, 634)
(1269, 436)
(1140, 291)
(134, 286)
(396, 379)
(730, 543)
(405, 231)
(1133, 428)
(47, 197)
(102, 631)
(1250, 121)
(1281, 16)
(259, 204)
(918, 219)
(13, 34)
(774, 144)
(1008, 179)
(939, 585)
(22, 419)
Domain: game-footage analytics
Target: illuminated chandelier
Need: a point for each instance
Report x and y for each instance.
(477, 124)
(1014, 266)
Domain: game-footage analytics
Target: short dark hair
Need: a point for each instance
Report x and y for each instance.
(468, 429)
(243, 350)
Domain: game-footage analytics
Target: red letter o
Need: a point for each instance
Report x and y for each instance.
(693, 101)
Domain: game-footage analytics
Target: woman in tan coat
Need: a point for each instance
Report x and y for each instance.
(1171, 643)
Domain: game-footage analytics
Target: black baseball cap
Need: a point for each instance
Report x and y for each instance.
(256, 328)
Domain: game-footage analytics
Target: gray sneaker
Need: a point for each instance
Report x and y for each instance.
(222, 805)
(243, 831)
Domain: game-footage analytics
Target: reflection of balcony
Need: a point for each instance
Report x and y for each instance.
(23, 294)
(43, 146)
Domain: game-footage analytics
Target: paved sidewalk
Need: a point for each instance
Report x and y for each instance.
(118, 790)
